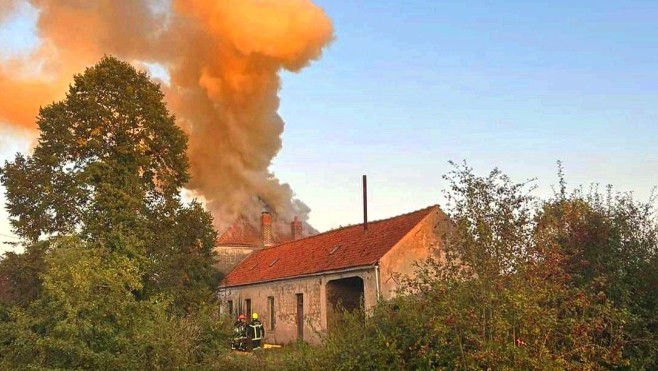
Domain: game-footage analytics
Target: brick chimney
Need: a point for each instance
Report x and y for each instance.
(296, 229)
(266, 229)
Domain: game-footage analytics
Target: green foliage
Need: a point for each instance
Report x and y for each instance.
(87, 317)
(493, 222)
(107, 154)
(20, 275)
(610, 246)
(117, 273)
(108, 167)
(184, 271)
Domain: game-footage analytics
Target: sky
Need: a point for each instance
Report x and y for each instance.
(407, 86)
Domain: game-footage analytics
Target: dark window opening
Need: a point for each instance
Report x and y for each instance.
(270, 309)
(300, 316)
(247, 304)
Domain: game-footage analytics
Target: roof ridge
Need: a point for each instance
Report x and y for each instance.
(319, 252)
(352, 226)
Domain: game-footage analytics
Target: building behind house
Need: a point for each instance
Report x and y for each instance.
(297, 286)
(242, 238)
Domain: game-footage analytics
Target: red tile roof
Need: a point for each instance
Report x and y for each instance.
(337, 249)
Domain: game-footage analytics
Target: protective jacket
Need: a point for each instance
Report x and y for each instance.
(239, 329)
(239, 341)
(256, 332)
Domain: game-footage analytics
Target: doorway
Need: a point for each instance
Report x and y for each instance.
(345, 294)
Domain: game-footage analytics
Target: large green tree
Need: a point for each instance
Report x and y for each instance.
(108, 156)
(117, 272)
(108, 167)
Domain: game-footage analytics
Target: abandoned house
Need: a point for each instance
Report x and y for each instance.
(296, 286)
(242, 238)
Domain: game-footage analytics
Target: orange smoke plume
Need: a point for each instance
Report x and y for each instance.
(223, 58)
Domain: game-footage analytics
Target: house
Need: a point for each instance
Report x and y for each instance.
(242, 238)
(296, 286)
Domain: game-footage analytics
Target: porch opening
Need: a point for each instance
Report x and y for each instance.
(343, 294)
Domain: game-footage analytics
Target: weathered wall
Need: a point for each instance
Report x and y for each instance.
(422, 240)
(285, 303)
(228, 256)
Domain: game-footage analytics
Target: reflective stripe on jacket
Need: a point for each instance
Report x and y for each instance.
(257, 331)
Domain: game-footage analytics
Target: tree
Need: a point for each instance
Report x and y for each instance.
(182, 268)
(108, 167)
(117, 272)
(609, 244)
(503, 298)
(88, 318)
(107, 155)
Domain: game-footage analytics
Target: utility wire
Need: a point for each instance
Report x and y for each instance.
(6, 235)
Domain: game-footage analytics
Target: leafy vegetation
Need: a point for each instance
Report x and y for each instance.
(117, 272)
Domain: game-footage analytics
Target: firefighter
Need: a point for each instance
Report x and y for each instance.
(255, 331)
(240, 333)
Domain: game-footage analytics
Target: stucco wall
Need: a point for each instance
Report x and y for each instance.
(422, 240)
(285, 303)
(229, 256)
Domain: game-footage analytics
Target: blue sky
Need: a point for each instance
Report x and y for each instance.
(407, 86)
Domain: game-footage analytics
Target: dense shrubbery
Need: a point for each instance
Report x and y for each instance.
(88, 316)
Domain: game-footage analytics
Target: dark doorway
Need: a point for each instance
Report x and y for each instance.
(343, 294)
(247, 303)
(300, 316)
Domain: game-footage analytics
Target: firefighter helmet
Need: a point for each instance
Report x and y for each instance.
(242, 316)
(254, 315)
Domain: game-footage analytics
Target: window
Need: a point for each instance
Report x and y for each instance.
(270, 310)
(300, 316)
(247, 304)
(229, 304)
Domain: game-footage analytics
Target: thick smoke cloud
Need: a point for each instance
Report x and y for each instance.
(223, 58)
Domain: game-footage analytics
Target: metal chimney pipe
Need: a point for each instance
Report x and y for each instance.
(365, 204)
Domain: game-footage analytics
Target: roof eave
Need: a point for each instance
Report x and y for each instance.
(341, 270)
